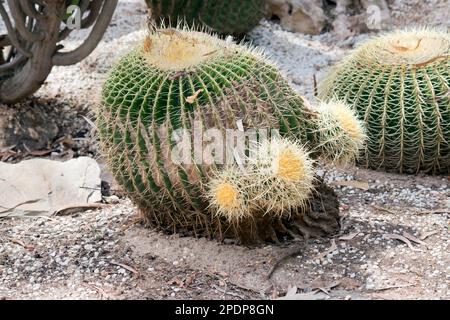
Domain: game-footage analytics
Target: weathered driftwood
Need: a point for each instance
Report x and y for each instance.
(30, 48)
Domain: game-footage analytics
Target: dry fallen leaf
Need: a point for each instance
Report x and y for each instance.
(332, 248)
(363, 185)
(428, 234)
(131, 269)
(177, 281)
(305, 296)
(393, 236)
(436, 211)
(291, 291)
(39, 153)
(383, 209)
(77, 208)
(222, 274)
(348, 237)
(222, 283)
(20, 243)
(327, 287)
(189, 279)
(191, 99)
(224, 291)
(350, 283)
(395, 287)
(413, 239)
(95, 288)
(275, 294)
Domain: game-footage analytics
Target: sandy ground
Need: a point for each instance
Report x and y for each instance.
(394, 242)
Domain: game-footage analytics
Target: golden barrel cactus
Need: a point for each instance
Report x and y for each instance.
(399, 84)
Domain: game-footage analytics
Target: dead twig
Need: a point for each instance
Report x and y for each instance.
(18, 205)
(395, 287)
(428, 234)
(435, 211)
(240, 286)
(315, 85)
(134, 221)
(383, 209)
(348, 237)
(131, 269)
(332, 248)
(414, 239)
(326, 289)
(66, 211)
(228, 292)
(22, 244)
(291, 253)
(393, 236)
(191, 99)
(95, 288)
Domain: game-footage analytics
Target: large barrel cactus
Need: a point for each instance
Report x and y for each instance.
(235, 17)
(399, 84)
(170, 110)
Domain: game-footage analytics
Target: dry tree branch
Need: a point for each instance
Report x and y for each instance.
(31, 46)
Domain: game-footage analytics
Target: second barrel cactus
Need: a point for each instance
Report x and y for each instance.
(235, 17)
(399, 84)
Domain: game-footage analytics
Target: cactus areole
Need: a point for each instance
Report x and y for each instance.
(399, 84)
(185, 80)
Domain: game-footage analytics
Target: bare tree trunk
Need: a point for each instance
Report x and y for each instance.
(38, 66)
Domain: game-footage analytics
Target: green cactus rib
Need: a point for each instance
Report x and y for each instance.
(404, 100)
(235, 17)
(143, 105)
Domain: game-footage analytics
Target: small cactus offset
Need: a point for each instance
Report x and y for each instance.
(399, 84)
(338, 134)
(234, 17)
(279, 179)
(277, 193)
(179, 84)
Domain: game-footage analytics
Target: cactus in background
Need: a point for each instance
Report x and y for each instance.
(235, 17)
(180, 83)
(399, 84)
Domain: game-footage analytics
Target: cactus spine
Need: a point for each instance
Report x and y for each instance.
(399, 84)
(235, 17)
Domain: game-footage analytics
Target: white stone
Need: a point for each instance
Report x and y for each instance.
(41, 187)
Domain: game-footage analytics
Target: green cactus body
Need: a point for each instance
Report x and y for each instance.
(179, 80)
(236, 17)
(399, 84)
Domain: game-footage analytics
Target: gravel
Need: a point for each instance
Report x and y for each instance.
(107, 254)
